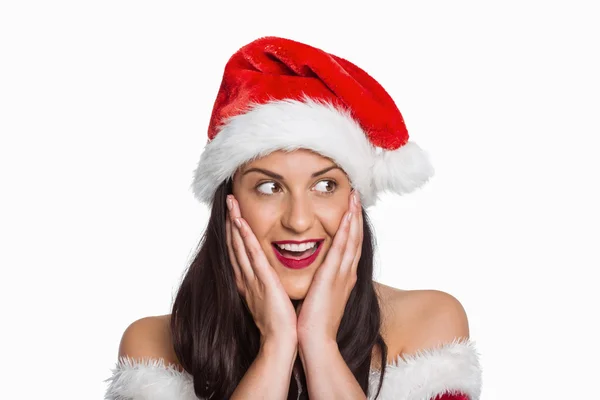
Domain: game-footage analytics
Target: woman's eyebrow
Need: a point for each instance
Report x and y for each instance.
(321, 172)
(277, 176)
(264, 171)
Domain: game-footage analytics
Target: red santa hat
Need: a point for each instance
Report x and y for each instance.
(279, 94)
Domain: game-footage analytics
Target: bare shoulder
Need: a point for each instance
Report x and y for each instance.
(149, 337)
(420, 319)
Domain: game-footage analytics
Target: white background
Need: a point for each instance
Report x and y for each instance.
(103, 115)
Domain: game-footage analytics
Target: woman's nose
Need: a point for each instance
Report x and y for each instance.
(298, 215)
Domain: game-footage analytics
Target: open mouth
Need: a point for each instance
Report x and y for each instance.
(297, 252)
(297, 255)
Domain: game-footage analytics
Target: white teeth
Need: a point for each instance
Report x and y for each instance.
(297, 247)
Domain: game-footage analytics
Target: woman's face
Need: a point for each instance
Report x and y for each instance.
(293, 196)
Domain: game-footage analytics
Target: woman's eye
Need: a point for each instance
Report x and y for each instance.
(325, 186)
(268, 188)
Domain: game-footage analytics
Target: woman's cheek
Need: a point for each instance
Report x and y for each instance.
(330, 220)
(261, 218)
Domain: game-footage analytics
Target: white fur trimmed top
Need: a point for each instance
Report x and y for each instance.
(449, 372)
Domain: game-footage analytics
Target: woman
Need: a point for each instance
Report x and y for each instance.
(279, 301)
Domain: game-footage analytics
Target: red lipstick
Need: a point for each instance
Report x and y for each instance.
(297, 264)
(298, 241)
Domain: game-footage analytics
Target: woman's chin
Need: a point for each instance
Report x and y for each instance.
(297, 291)
(296, 294)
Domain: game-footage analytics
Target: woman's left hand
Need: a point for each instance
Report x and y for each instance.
(321, 311)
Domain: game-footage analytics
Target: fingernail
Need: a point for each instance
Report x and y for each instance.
(355, 198)
(229, 203)
(349, 216)
(238, 223)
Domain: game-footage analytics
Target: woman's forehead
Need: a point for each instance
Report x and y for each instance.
(298, 162)
(299, 158)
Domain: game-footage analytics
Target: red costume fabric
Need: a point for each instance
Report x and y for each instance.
(274, 68)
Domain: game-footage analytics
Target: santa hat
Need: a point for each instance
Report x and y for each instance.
(279, 94)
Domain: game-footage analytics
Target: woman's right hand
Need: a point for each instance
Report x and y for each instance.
(257, 281)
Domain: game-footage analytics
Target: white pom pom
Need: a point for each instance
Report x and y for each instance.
(402, 170)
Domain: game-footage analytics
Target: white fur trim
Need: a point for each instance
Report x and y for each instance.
(402, 170)
(318, 126)
(451, 368)
(148, 379)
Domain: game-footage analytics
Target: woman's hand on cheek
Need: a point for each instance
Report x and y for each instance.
(257, 282)
(320, 314)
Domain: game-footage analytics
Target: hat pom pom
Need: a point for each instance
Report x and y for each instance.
(402, 170)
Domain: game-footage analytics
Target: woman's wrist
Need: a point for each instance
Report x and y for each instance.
(279, 345)
(280, 353)
(269, 375)
(280, 337)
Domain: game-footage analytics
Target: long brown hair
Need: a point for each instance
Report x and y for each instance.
(215, 337)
